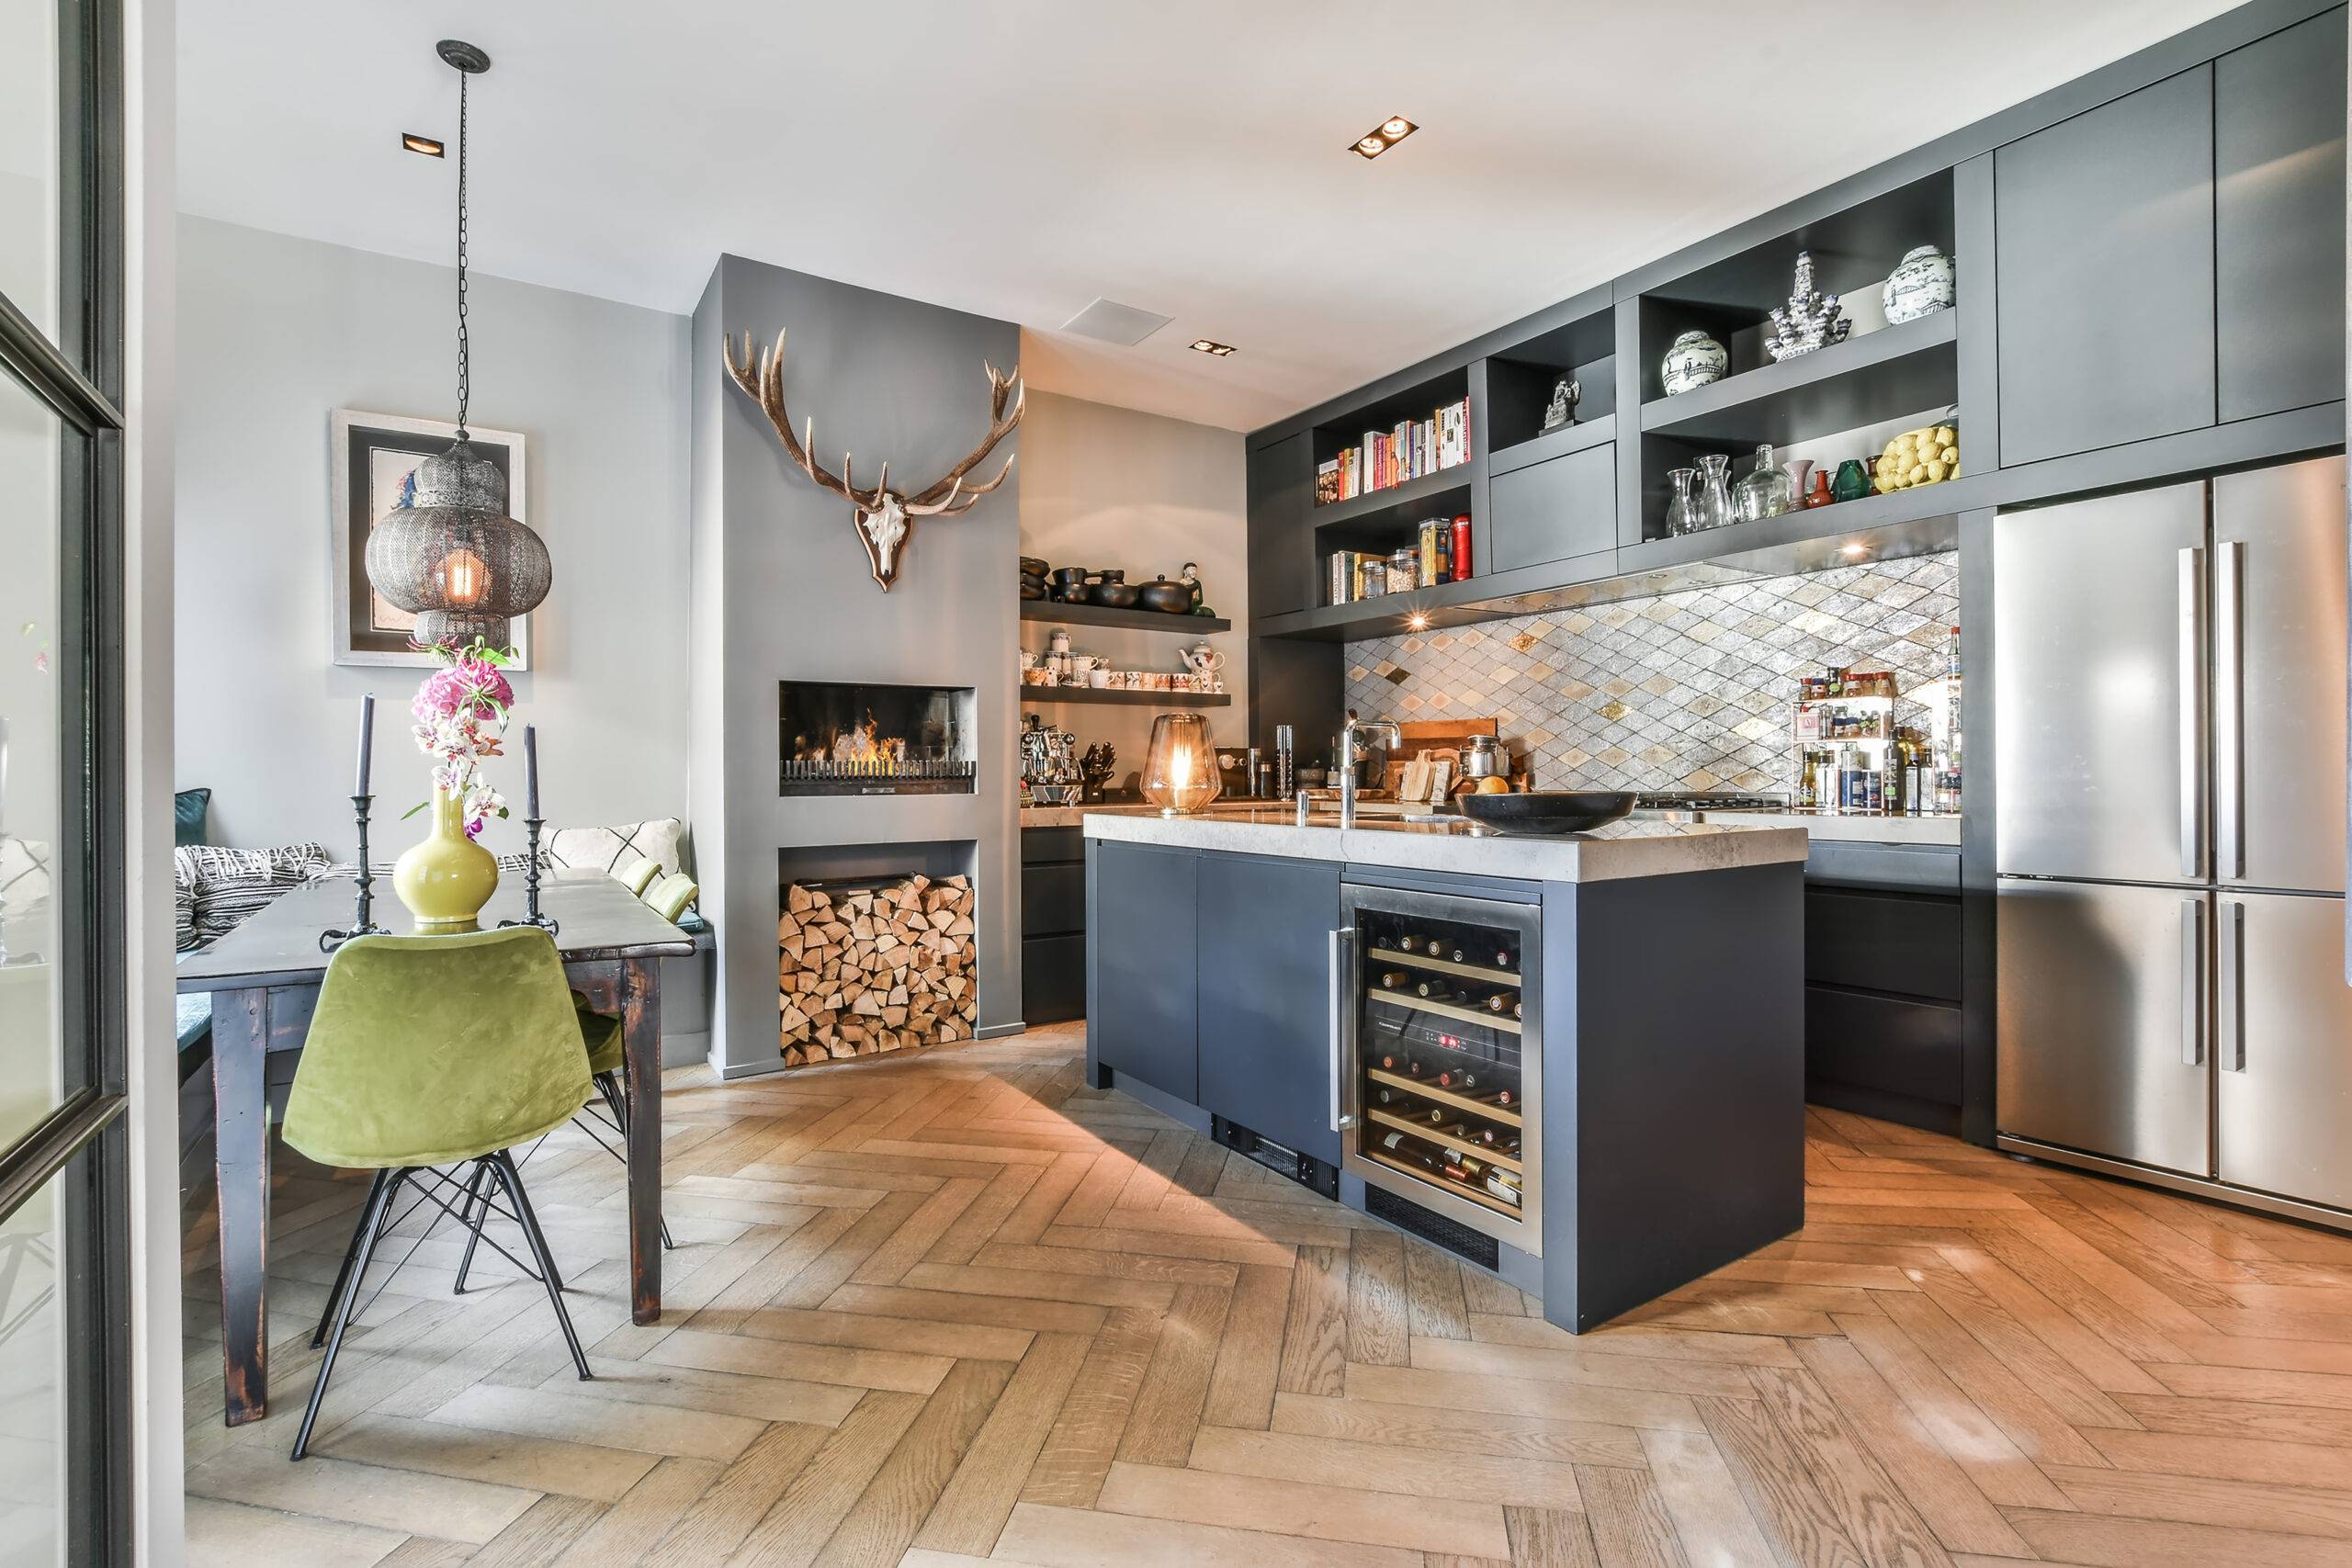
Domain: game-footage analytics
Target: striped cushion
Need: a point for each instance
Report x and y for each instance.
(230, 887)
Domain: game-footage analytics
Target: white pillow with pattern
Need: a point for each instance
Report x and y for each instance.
(613, 850)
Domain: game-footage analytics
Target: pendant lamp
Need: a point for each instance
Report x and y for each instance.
(451, 556)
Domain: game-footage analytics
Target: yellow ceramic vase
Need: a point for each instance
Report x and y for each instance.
(446, 880)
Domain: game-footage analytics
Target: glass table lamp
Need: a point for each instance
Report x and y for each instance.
(1180, 771)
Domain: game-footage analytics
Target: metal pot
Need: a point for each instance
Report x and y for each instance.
(1114, 595)
(1484, 758)
(1168, 598)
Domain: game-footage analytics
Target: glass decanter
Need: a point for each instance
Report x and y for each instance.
(1764, 493)
(1714, 493)
(1682, 511)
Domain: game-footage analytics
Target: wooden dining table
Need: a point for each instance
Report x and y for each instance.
(264, 977)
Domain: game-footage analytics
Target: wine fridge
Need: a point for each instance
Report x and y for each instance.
(1437, 1054)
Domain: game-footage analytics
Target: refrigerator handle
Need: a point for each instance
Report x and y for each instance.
(1342, 993)
(2192, 982)
(2230, 1052)
(2192, 712)
(2229, 709)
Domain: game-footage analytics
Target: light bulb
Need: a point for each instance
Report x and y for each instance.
(464, 579)
(1396, 128)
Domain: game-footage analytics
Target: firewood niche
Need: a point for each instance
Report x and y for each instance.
(874, 966)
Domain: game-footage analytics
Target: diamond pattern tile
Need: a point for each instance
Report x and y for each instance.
(1714, 670)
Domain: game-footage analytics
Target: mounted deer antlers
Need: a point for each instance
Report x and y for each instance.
(884, 515)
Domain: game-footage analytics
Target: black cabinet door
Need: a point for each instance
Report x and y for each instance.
(1551, 510)
(1281, 545)
(2104, 243)
(1265, 997)
(2278, 219)
(1144, 947)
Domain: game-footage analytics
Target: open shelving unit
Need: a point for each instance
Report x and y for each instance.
(1100, 616)
(1121, 697)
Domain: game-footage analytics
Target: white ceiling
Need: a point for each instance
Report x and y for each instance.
(1019, 157)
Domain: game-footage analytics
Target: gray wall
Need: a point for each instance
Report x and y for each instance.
(275, 333)
(781, 588)
(1112, 487)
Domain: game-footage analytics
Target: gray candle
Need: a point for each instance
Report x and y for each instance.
(531, 770)
(367, 740)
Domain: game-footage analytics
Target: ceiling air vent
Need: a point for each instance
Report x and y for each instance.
(1114, 323)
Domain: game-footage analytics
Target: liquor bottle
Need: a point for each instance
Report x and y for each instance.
(1397, 1100)
(1518, 1010)
(1407, 942)
(1461, 1080)
(1434, 1115)
(1505, 958)
(1390, 979)
(1436, 990)
(1503, 1001)
(1398, 1062)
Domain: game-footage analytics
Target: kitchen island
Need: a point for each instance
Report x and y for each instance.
(1576, 1061)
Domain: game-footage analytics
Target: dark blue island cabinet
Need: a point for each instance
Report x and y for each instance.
(1592, 1086)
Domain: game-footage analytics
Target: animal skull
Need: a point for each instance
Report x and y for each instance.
(885, 527)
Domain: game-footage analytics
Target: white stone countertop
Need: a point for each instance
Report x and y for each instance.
(1617, 851)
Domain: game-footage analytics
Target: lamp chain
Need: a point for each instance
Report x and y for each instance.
(465, 357)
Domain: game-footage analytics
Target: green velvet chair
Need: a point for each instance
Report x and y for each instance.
(670, 896)
(428, 1051)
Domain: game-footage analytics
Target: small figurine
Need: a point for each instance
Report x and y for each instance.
(1562, 410)
(1191, 578)
(1810, 320)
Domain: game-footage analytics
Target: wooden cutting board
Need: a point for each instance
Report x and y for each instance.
(1432, 740)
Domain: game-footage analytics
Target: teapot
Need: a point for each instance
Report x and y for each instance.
(1204, 660)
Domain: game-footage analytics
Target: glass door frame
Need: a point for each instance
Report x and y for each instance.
(1526, 1232)
(83, 1146)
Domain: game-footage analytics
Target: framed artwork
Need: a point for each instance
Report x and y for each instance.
(373, 456)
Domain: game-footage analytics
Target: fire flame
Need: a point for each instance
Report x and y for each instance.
(863, 745)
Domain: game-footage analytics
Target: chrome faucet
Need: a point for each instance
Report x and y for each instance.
(1388, 730)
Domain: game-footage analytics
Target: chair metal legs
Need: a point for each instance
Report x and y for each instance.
(342, 1275)
(501, 1164)
(473, 1218)
(371, 1226)
(616, 1101)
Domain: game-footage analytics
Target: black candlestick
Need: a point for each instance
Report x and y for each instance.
(531, 916)
(365, 926)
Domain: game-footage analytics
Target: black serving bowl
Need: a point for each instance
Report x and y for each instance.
(1548, 811)
(1077, 593)
(1032, 566)
(1115, 595)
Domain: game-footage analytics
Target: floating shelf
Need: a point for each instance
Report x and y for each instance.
(1121, 697)
(1553, 444)
(1123, 620)
(1412, 495)
(1897, 370)
(1903, 522)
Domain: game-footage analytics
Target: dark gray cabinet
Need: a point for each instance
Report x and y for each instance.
(1143, 1018)
(2104, 269)
(1053, 925)
(1554, 510)
(1281, 549)
(1265, 997)
(2278, 219)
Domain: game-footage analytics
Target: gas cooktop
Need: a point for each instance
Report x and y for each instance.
(1710, 800)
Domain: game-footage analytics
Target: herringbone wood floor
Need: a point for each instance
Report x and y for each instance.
(932, 1310)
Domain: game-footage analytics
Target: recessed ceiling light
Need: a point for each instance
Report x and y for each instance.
(411, 141)
(1205, 347)
(1392, 130)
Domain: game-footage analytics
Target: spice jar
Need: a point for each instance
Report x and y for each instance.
(1404, 571)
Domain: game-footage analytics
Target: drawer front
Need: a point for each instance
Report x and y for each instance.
(1884, 1044)
(1882, 941)
(1885, 866)
(1040, 844)
(1053, 979)
(1551, 510)
(1052, 900)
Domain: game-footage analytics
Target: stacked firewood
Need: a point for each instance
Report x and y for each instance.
(875, 969)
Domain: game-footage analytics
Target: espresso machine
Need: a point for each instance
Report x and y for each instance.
(1049, 771)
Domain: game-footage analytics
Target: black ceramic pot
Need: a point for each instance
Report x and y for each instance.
(1032, 566)
(1115, 595)
(1168, 598)
(1069, 575)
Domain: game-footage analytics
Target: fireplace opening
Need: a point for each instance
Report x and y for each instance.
(861, 737)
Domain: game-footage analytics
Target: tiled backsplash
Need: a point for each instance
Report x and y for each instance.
(1687, 690)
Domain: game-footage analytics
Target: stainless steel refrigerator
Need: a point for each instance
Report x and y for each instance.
(2169, 692)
